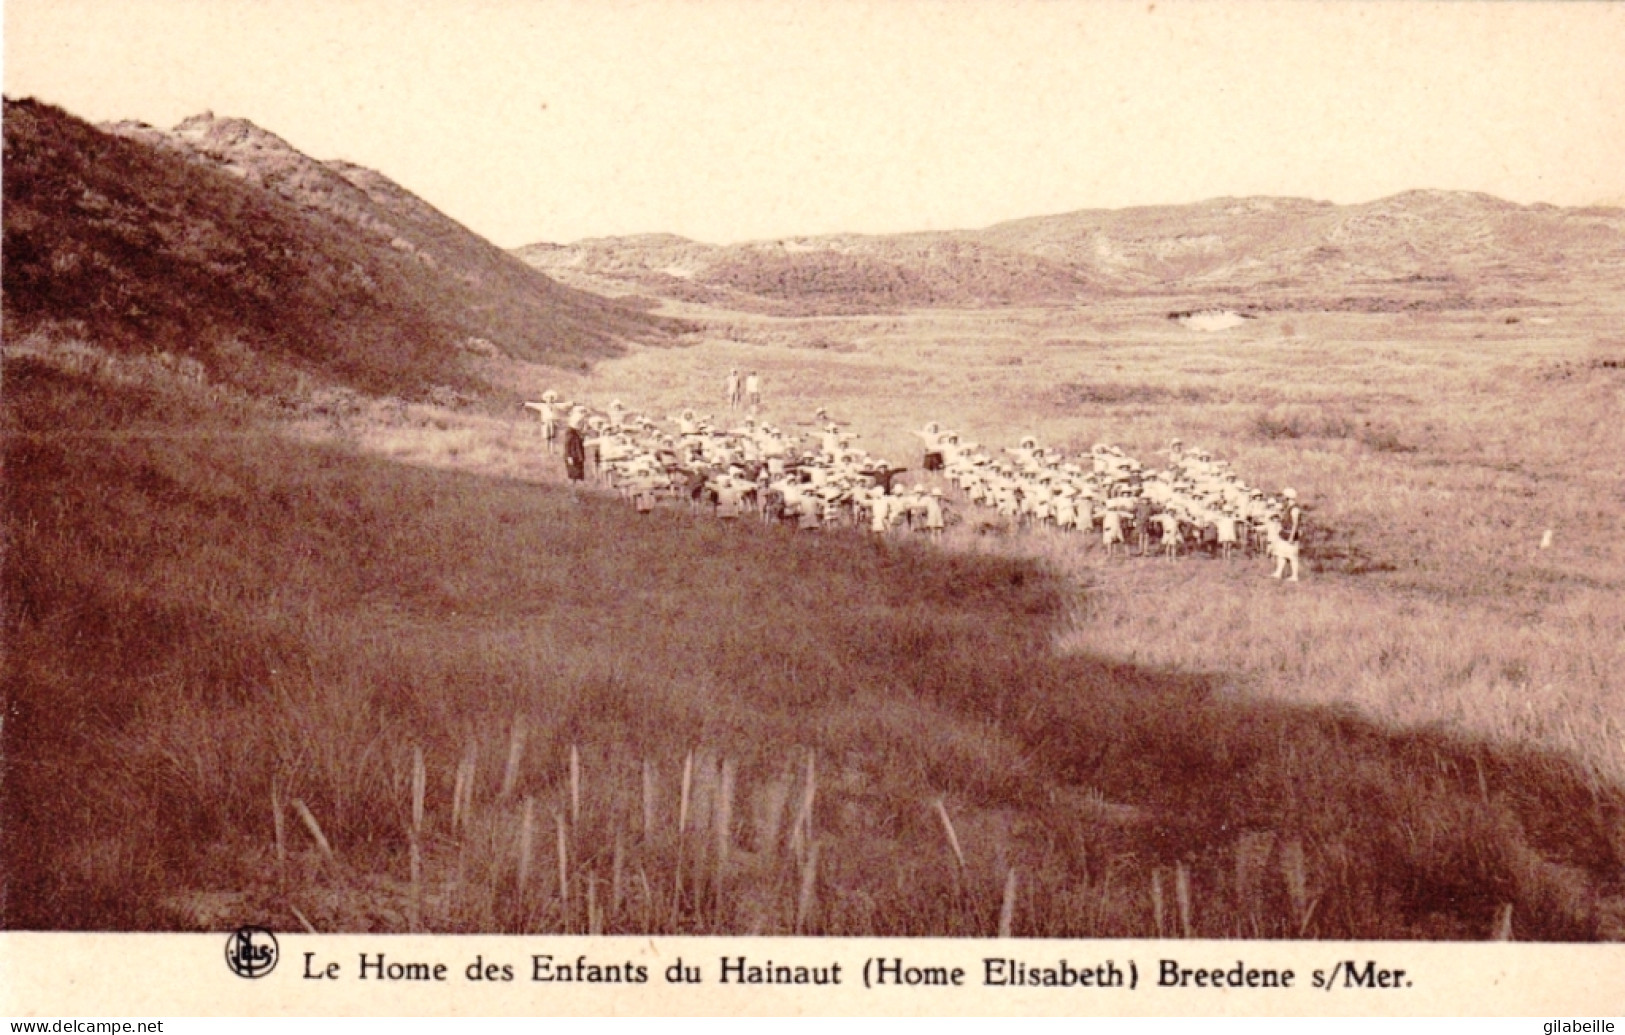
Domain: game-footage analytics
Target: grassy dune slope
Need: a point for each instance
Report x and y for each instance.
(145, 247)
(484, 291)
(206, 623)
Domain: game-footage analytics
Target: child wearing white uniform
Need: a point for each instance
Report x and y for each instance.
(1111, 530)
(1227, 534)
(1170, 534)
(879, 512)
(934, 522)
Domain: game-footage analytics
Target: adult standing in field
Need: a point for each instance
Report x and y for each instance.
(731, 385)
(1285, 538)
(575, 449)
(1292, 527)
(753, 389)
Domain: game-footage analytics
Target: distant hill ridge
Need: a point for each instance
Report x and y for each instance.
(220, 241)
(1422, 247)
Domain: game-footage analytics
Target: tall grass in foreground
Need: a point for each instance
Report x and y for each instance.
(622, 848)
(257, 680)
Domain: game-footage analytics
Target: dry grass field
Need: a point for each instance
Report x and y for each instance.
(1434, 450)
(373, 668)
(628, 725)
(302, 628)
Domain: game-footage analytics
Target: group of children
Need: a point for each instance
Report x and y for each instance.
(1195, 503)
(818, 480)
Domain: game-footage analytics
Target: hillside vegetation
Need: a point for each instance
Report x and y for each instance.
(140, 241)
(1422, 250)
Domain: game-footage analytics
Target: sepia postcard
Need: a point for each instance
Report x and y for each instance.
(517, 507)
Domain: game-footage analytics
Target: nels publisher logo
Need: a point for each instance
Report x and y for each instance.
(251, 952)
